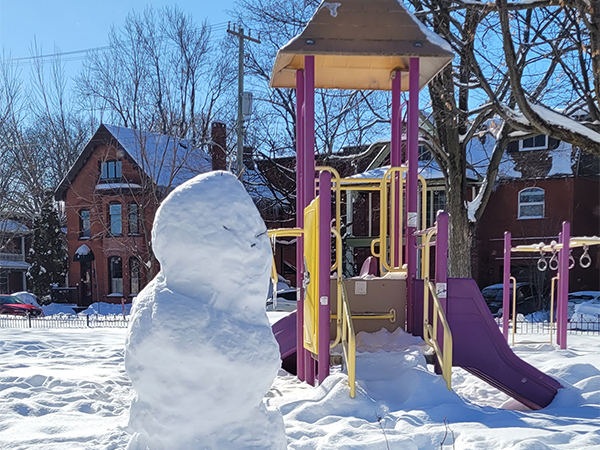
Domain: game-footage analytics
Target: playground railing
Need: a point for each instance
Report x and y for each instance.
(390, 188)
(431, 326)
(430, 333)
(348, 339)
(344, 323)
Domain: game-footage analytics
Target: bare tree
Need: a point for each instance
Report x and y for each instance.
(161, 73)
(522, 90)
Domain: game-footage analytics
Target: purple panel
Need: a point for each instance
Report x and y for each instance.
(285, 333)
(506, 284)
(417, 309)
(480, 348)
(370, 267)
(324, 273)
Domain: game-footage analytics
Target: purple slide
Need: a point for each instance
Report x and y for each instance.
(480, 348)
(285, 333)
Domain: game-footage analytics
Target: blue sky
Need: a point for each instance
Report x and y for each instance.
(73, 25)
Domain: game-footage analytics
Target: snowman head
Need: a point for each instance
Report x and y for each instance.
(212, 243)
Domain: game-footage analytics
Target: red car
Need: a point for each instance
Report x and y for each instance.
(13, 305)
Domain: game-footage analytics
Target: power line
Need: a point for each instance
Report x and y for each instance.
(221, 26)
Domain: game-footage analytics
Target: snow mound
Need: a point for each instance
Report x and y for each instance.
(200, 351)
(27, 297)
(57, 308)
(106, 309)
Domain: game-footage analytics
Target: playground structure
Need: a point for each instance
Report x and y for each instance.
(561, 262)
(354, 44)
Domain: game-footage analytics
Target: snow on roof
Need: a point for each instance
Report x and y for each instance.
(83, 250)
(12, 226)
(168, 160)
(15, 265)
(109, 186)
(565, 122)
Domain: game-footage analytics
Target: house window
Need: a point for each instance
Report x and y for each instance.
(436, 201)
(133, 217)
(424, 153)
(531, 203)
(115, 275)
(539, 142)
(110, 171)
(134, 275)
(84, 224)
(114, 219)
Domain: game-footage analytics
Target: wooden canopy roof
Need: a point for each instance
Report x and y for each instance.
(358, 43)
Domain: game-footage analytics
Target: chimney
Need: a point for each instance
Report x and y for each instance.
(218, 134)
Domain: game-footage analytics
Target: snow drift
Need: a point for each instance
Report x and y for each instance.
(200, 352)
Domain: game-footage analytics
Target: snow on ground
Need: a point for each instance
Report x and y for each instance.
(63, 389)
(68, 390)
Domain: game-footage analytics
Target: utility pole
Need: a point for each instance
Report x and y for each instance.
(240, 119)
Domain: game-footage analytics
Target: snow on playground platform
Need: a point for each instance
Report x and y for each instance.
(68, 390)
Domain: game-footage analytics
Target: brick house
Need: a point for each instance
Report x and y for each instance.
(542, 183)
(14, 244)
(110, 197)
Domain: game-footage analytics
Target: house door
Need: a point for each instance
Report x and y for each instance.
(85, 283)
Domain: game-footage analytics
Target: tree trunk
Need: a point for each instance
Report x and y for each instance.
(460, 232)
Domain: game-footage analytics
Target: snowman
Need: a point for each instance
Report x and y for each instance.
(200, 351)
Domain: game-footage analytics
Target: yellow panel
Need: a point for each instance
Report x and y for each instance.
(311, 263)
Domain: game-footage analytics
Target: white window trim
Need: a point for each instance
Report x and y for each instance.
(527, 149)
(519, 216)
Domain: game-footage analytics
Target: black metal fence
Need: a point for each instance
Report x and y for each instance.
(64, 295)
(576, 327)
(66, 321)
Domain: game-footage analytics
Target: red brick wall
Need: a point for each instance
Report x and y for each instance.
(83, 195)
(572, 199)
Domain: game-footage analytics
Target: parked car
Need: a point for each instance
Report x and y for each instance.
(9, 304)
(526, 300)
(286, 296)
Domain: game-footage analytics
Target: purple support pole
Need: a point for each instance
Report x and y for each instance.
(411, 185)
(396, 151)
(441, 259)
(396, 161)
(309, 167)
(324, 273)
(300, 223)
(309, 127)
(563, 286)
(506, 284)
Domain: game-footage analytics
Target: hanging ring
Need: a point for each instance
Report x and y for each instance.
(553, 264)
(571, 260)
(542, 264)
(585, 260)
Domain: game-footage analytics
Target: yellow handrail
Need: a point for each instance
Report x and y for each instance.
(348, 340)
(281, 232)
(445, 360)
(338, 201)
(514, 309)
(430, 332)
(553, 282)
(338, 257)
(344, 324)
